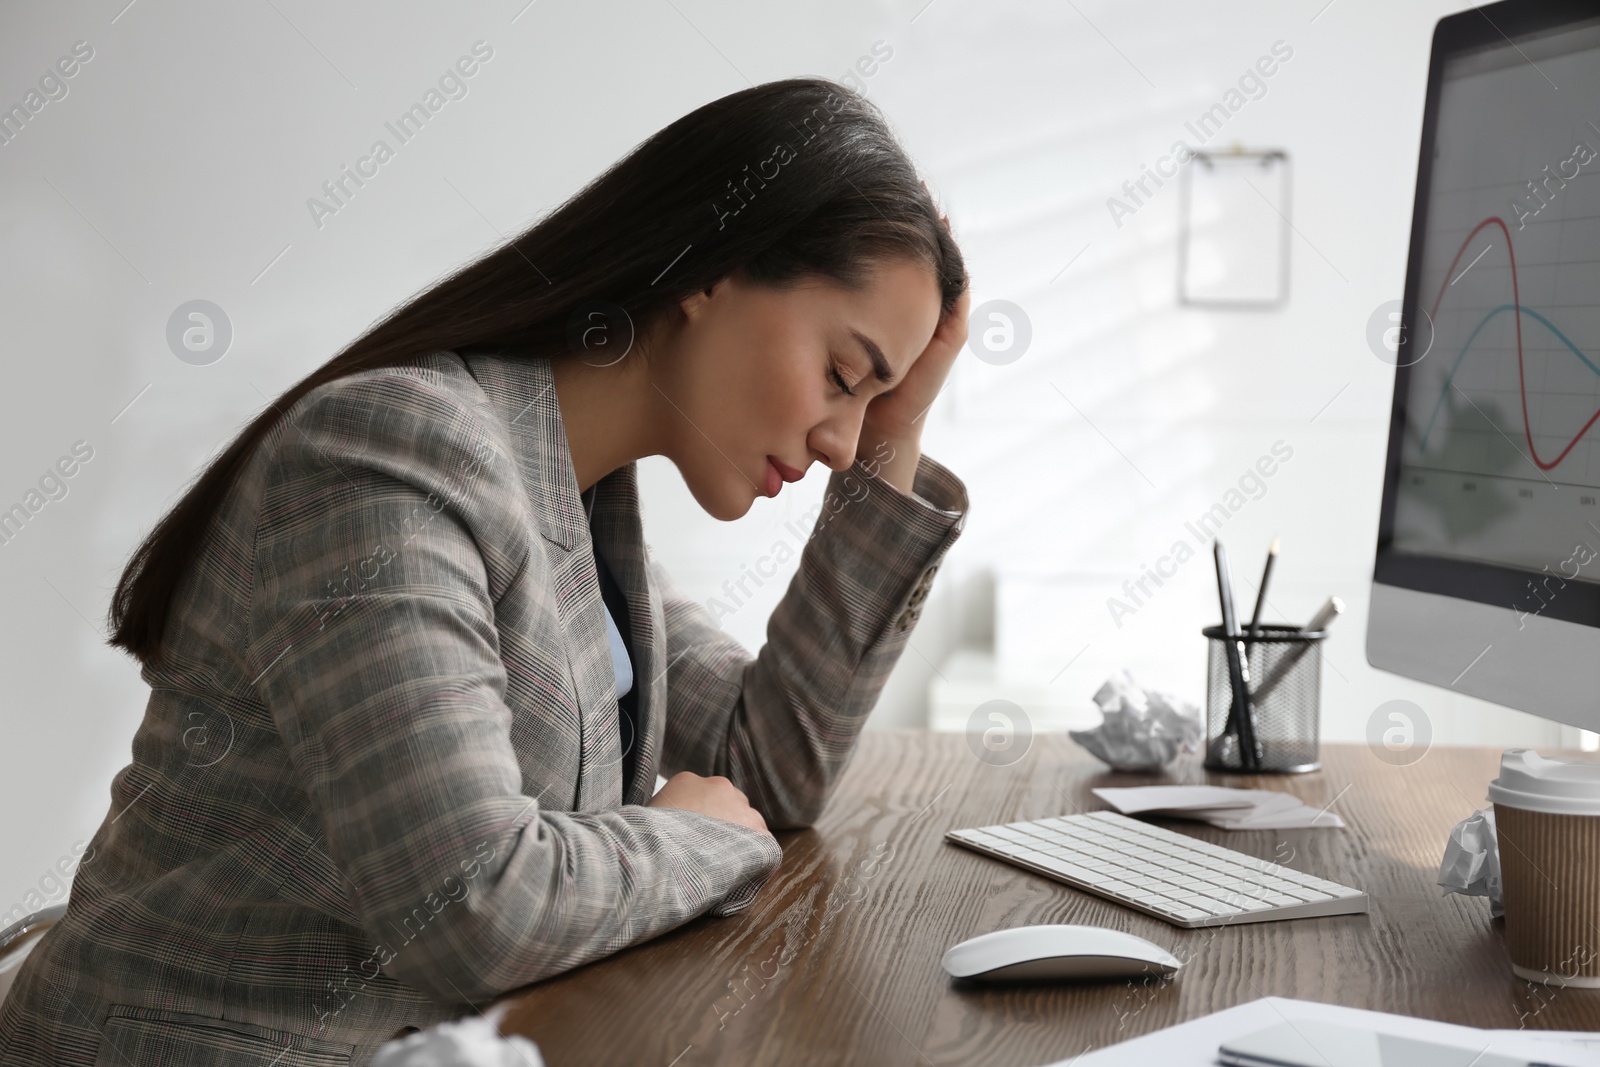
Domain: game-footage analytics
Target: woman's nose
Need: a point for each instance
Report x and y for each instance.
(837, 442)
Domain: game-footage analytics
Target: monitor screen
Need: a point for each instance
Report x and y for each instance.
(1498, 480)
(1487, 574)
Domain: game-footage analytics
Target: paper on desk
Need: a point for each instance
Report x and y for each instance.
(1471, 864)
(1140, 729)
(1194, 1043)
(1230, 809)
(472, 1041)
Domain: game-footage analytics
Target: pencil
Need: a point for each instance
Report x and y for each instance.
(1261, 592)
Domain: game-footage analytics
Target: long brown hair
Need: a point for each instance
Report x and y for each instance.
(789, 179)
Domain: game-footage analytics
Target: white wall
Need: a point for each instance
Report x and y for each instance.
(180, 162)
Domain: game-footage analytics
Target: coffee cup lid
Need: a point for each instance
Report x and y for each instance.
(1558, 785)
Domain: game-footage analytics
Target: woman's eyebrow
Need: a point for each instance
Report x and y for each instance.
(880, 366)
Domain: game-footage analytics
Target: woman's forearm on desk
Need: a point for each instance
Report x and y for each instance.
(781, 725)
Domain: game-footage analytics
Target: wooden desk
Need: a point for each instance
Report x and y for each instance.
(838, 960)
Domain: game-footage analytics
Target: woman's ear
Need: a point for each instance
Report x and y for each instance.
(692, 303)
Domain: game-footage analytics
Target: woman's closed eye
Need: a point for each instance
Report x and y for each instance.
(839, 378)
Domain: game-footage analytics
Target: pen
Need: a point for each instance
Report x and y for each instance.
(1330, 610)
(1238, 678)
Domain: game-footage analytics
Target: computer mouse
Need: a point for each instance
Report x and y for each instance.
(1054, 952)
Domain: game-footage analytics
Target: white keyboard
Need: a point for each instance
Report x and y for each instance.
(1150, 869)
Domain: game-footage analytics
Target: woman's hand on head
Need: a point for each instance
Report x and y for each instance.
(897, 415)
(714, 796)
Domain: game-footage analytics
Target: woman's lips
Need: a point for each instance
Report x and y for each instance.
(788, 472)
(784, 472)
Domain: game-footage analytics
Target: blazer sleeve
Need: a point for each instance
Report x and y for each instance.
(782, 725)
(373, 646)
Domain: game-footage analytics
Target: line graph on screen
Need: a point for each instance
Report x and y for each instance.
(1518, 312)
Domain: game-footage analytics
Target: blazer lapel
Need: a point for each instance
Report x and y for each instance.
(619, 532)
(522, 396)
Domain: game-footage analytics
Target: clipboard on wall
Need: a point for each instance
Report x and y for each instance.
(1233, 230)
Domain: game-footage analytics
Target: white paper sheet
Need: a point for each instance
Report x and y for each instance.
(1194, 1043)
(1230, 809)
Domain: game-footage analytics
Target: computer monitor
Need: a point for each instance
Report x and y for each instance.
(1487, 577)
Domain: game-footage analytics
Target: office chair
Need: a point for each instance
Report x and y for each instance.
(18, 939)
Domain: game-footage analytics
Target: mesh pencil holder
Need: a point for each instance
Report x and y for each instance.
(1285, 668)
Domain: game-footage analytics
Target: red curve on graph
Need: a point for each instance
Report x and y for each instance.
(1516, 305)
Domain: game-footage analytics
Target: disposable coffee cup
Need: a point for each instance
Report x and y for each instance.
(1547, 819)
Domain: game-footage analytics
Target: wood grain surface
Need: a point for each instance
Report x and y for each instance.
(837, 961)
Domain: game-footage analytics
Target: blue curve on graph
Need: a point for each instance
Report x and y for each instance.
(1540, 319)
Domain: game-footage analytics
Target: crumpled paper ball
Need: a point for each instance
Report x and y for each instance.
(1142, 729)
(1471, 864)
(468, 1042)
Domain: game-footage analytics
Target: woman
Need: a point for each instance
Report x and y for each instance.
(384, 773)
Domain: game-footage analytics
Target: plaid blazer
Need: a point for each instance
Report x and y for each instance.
(379, 778)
